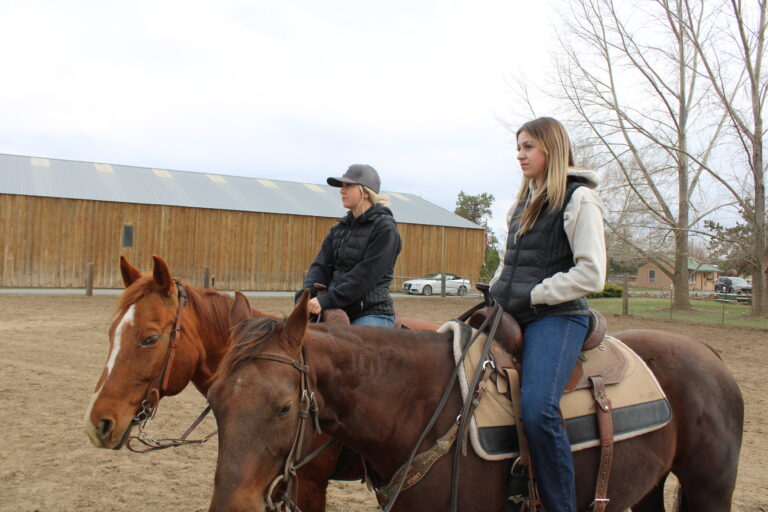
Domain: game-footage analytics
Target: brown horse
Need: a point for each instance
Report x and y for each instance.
(139, 338)
(377, 388)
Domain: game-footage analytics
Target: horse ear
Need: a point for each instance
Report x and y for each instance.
(130, 273)
(161, 275)
(296, 323)
(240, 310)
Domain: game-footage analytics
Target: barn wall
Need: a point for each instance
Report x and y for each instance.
(48, 242)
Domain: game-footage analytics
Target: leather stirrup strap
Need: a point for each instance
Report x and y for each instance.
(533, 503)
(605, 426)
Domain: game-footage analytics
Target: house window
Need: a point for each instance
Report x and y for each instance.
(127, 236)
(651, 276)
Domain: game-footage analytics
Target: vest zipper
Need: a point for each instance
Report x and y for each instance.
(514, 262)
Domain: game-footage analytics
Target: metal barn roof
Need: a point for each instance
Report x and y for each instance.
(48, 177)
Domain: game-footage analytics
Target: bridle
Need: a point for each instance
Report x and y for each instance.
(308, 407)
(157, 388)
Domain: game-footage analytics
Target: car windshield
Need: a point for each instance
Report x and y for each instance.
(432, 276)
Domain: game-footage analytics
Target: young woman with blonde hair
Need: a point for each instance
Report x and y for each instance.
(554, 256)
(357, 258)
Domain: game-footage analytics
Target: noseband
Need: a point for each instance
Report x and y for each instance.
(293, 462)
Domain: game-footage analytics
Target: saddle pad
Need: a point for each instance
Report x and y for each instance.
(639, 403)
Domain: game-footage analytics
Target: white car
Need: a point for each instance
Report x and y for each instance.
(431, 283)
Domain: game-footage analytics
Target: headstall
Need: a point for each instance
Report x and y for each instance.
(157, 387)
(308, 407)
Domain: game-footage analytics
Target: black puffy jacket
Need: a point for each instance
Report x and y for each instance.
(356, 262)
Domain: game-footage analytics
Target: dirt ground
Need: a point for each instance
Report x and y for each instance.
(54, 348)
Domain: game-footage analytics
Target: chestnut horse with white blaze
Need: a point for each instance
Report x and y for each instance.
(376, 389)
(139, 339)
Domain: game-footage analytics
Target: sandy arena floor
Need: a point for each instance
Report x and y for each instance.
(54, 348)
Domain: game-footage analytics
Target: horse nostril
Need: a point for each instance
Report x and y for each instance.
(105, 428)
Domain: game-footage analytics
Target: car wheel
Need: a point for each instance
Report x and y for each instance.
(427, 290)
(462, 290)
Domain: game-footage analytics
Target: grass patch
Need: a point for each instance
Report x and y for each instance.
(704, 311)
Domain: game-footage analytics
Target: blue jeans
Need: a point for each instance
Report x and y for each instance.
(552, 347)
(383, 320)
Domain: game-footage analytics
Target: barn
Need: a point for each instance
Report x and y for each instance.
(59, 216)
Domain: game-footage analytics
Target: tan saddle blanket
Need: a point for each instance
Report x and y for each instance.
(639, 403)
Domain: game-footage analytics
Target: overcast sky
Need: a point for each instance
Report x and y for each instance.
(294, 90)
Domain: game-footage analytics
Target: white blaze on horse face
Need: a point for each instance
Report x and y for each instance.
(125, 322)
(90, 428)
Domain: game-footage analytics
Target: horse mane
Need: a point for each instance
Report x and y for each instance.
(210, 304)
(246, 343)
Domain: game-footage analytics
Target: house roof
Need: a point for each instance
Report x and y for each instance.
(48, 177)
(696, 266)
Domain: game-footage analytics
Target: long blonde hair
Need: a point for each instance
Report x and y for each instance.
(382, 199)
(549, 136)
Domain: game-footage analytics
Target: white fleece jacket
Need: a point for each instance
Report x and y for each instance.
(583, 223)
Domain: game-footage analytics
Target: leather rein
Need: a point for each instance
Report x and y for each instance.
(156, 389)
(415, 469)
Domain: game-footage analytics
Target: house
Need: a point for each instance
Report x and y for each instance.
(701, 276)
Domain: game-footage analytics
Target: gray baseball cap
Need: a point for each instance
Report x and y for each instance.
(360, 174)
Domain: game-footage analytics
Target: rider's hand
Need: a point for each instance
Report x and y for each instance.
(314, 306)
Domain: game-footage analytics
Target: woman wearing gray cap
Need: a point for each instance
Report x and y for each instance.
(357, 258)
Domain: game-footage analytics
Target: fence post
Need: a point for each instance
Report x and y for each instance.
(206, 278)
(89, 280)
(722, 319)
(625, 296)
(442, 285)
(671, 299)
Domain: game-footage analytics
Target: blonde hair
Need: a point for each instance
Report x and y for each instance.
(382, 199)
(549, 136)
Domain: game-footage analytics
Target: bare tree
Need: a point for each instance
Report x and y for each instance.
(631, 78)
(733, 65)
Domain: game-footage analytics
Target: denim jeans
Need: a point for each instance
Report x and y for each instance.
(383, 320)
(552, 347)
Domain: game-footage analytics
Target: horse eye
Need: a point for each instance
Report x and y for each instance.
(150, 340)
(286, 408)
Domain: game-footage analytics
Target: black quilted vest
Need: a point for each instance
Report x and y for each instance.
(350, 238)
(532, 257)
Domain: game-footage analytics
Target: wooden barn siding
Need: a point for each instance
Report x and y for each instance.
(47, 242)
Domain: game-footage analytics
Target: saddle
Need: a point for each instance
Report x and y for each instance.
(510, 337)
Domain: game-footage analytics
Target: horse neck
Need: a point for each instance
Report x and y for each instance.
(210, 328)
(207, 324)
(395, 374)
